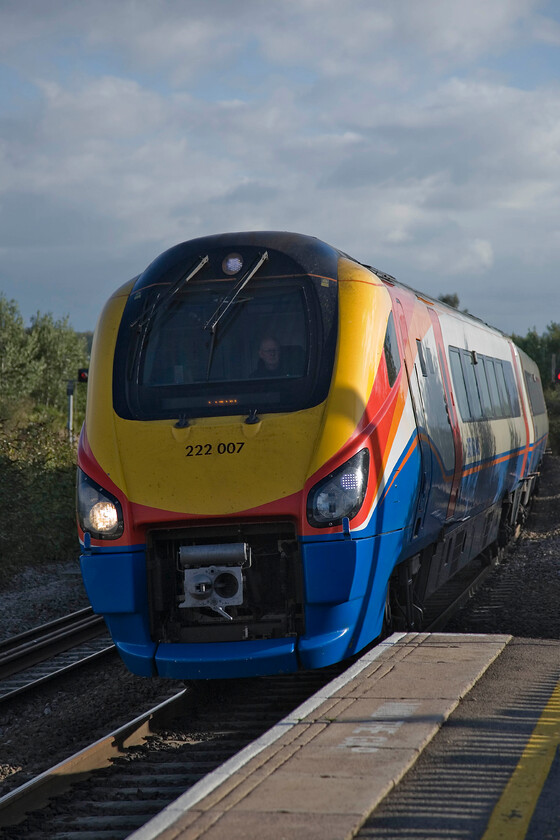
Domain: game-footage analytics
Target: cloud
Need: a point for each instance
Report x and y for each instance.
(387, 129)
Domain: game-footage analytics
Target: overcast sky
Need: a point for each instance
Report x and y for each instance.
(421, 136)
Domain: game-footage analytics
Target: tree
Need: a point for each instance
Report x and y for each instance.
(542, 348)
(58, 352)
(17, 374)
(450, 300)
(37, 459)
(453, 301)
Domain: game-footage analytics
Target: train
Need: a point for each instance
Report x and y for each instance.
(287, 453)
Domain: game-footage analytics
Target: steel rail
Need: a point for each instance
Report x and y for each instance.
(56, 623)
(37, 793)
(44, 642)
(50, 650)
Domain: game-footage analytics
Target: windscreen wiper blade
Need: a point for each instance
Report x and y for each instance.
(164, 297)
(228, 300)
(144, 320)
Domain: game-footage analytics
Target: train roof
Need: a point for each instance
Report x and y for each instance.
(313, 255)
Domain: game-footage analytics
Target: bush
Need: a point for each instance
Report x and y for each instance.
(37, 520)
(37, 461)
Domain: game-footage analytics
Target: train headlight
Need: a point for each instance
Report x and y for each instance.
(341, 494)
(99, 512)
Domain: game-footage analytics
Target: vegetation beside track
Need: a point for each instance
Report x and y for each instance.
(37, 457)
(545, 350)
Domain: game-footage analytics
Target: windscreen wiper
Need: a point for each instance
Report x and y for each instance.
(164, 297)
(144, 320)
(225, 304)
(228, 300)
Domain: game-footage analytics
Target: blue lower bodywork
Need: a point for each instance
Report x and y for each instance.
(345, 583)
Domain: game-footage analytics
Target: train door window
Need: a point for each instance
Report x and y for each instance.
(467, 363)
(421, 357)
(483, 389)
(493, 386)
(511, 389)
(429, 356)
(391, 349)
(459, 383)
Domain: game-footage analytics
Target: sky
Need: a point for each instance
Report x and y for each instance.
(418, 136)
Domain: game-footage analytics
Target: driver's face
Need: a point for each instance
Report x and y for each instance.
(270, 353)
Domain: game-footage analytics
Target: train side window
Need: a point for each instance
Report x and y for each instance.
(534, 389)
(470, 381)
(511, 389)
(502, 389)
(391, 349)
(483, 389)
(493, 386)
(459, 383)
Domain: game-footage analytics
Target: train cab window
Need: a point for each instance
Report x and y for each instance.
(262, 340)
(391, 349)
(271, 350)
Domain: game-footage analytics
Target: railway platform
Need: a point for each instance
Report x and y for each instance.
(426, 736)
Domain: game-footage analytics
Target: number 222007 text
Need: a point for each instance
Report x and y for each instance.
(210, 449)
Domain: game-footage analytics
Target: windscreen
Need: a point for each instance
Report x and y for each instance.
(213, 350)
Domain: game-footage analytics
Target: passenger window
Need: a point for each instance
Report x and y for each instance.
(502, 389)
(485, 386)
(534, 389)
(493, 387)
(391, 348)
(483, 389)
(511, 389)
(470, 381)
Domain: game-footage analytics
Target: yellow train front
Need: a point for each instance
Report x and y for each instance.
(247, 416)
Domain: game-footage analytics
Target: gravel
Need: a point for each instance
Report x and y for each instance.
(521, 598)
(38, 595)
(60, 718)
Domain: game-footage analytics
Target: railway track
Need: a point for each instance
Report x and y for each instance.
(31, 658)
(121, 781)
(108, 790)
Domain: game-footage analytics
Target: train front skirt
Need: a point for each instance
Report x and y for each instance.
(345, 582)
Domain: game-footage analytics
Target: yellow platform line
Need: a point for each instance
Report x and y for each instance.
(511, 817)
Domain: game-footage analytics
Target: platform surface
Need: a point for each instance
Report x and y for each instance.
(493, 769)
(322, 771)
